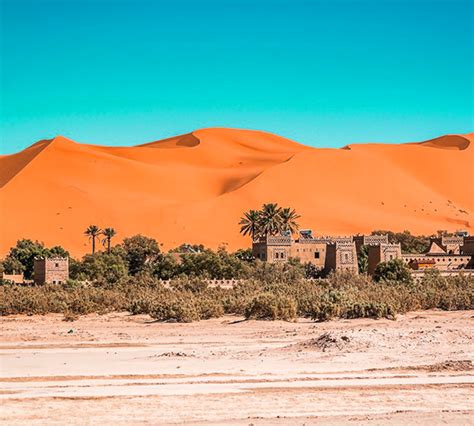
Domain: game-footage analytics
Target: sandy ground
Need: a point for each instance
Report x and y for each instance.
(122, 369)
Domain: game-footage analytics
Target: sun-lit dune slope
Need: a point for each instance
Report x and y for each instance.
(193, 188)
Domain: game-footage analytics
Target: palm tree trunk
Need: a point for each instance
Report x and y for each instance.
(108, 245)
(93, 245)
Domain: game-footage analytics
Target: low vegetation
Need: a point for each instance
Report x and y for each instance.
(274, 294)
(136, 276)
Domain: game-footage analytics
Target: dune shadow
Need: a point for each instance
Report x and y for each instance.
(13, 164)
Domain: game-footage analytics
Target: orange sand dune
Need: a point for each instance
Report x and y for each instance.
(193, 188)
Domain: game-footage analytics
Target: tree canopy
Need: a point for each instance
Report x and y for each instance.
(21, 257)
(270, 220)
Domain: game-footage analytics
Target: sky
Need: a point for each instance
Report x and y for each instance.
(322, 72)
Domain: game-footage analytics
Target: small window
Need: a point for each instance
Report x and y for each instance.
(316, 254)
(56, 265)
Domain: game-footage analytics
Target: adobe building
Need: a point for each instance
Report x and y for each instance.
(53, 270)
(443, 258)
(369, 240)
(468, 246)
(326, 253)
(449, 255)
(382, 253)
(449, 244)
(341, 257)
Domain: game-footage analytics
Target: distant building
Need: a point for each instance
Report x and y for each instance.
(53, 270)
(449, 255)
(326, 253)
(449, 245)
(445, 254)
(369, 240)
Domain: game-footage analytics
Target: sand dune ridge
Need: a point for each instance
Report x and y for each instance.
(193, 188)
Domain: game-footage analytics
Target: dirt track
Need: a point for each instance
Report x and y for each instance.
(127, 369)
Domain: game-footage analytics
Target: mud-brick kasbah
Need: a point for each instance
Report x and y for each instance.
(52, 270)
(449, 255)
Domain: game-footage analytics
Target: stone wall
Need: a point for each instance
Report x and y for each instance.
(14, 278)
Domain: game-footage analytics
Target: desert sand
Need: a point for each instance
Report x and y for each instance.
(122, 369)
(194, 188)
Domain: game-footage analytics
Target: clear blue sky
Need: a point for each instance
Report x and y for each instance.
(322, 72)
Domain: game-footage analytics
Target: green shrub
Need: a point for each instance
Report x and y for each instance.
(100, 267)
(394, 270)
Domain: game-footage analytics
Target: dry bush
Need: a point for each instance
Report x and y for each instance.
(70, 316)
(179, 309)
(209, 307)
(278, 295)
(270, 306)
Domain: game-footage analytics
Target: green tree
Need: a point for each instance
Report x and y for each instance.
(188, 248)
(165, 267)
(108, 233)
(140, 253)
(93, 232)
(270, 222)
(56, 251)
(394, 270)
(25, 252)
(209, 264)
(289, 219)
(102, 267)
(250, 224)
(11, 265)
(245, 255)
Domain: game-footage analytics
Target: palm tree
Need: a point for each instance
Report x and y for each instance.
(270, 219)
(289, 218)
(250, 224)
(108, 233)
(93, 232)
